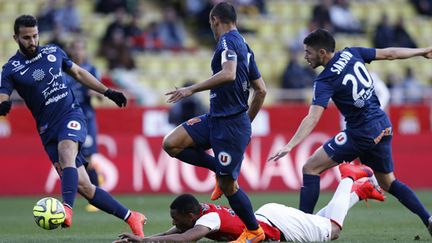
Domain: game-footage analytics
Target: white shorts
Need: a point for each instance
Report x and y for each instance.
(294, 224)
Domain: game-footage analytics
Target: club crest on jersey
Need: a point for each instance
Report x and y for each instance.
(192, 121)
(74, 125)
(224, 158)
(340, 138)
(51, 58)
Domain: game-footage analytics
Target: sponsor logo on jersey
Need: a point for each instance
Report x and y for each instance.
(34, 59)
(74, 125)
(54, 75)
(224, 158)
(51, 58)
(38, 74)
(49, 49)
(192, 121)
(340, 138)
(16, 63)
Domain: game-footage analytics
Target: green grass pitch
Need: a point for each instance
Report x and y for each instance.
(381, 222)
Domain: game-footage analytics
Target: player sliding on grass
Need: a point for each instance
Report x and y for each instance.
(368, 132)
(193, 220)
(36, 72)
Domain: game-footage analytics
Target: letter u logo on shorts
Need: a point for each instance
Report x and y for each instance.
(340, 138)
(224, 158)
(74, 125)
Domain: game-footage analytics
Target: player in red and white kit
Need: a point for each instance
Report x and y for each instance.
(193, 220)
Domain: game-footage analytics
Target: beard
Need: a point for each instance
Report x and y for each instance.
(27, 52)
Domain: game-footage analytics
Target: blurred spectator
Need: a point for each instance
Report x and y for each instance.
(402, 37)
(171, 30)
(117, 25)
(423, 7)
(49, 15)
(412, 87)
(58, 36)
(321, 14)
(251, 7)
(116, 51)
(69, 17)
(110, 6)
(384, 34)
(297, 42)
(297, 76)
(133, 28)
(343, 19)
(148, 40)
(186, 108)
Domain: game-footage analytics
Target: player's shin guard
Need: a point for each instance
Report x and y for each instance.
(69, 185)
(409, 199)
(309, 193)
(105, 202)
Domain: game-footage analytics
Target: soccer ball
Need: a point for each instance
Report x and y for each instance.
(49, 213)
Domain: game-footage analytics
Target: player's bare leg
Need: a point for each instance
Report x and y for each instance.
(315, 165)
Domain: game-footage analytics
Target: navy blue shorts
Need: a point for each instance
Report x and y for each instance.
(73, 127)
(90, 145)
(372, 144)
(227, 136)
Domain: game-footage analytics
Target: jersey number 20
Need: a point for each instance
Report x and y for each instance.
(365, 82)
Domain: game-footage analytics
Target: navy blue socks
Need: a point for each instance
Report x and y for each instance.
(242, 206)
(69, 185)
(93, 177)
(309, 193)
(197, 157)
(409, 199)
(105, 202)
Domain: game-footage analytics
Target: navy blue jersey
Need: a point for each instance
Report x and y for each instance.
(81, 92)
(347, 82)
(41, 83)
(232, 98)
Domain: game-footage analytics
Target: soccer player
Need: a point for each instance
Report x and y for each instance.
(227, 128)
(77, 53)
(193, 220)
(36, 72)
(368, 132)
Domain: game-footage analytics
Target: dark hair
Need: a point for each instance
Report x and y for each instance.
(321, 38)
(225, 12)
(24, 21)
(186, 203)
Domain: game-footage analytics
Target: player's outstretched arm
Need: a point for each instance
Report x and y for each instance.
(196, 233)
(88, 80)
(258, 97)
(5, 104)
(393, 53)
(306, 126)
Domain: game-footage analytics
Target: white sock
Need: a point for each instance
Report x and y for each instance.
(338, 206)
(354, 199)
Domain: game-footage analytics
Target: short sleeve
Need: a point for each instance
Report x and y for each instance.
(210, 220)
(322, 92)
(66, 61)
(6, 83)
(368, 54)
(254, 73)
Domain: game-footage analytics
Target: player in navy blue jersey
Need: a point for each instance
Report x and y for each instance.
(77, 53)
(368, 132)
(36, 73)
(227, 127)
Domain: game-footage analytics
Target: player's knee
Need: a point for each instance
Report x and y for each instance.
(228, 186)
(168, 146)
(309, 169)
